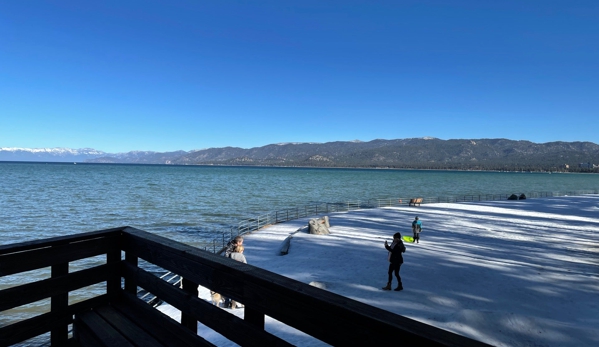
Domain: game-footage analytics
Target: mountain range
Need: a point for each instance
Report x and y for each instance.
(412, 153)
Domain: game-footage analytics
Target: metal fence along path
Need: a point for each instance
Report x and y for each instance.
(258, 222)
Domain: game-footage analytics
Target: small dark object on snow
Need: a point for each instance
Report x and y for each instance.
(522, 196)
(513, 197)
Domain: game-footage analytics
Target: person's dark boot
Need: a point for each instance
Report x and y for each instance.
(387, 287)
(398, 288)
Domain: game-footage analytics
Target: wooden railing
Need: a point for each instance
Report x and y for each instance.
(326, 316)
(57, 253)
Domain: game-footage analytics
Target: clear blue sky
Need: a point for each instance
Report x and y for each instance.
(169, 75)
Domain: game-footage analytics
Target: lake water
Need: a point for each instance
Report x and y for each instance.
(190, 203)
(194, 204)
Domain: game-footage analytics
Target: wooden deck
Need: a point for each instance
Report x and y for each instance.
(119, 318)
(129, 322)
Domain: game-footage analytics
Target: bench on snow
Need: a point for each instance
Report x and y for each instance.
(415, 201)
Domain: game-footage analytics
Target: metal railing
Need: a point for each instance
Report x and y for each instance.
(479, 197)
(258, 222)
(285, 215)
(249, 225)
(280, 216)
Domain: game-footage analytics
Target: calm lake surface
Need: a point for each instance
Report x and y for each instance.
(188, 203)
(194, 204)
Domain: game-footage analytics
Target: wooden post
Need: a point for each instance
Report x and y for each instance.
(113, 284)
(186, 320)
(131, 282)
(59, 304)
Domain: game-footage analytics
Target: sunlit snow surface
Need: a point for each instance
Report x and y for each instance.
(508, 273)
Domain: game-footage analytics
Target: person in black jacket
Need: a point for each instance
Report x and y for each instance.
(395, 260)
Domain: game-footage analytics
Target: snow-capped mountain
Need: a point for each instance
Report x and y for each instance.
(413, 153)
(49, 154)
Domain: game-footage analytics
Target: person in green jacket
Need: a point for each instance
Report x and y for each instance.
(416, 229)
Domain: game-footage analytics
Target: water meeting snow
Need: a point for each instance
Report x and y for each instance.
(508, 273)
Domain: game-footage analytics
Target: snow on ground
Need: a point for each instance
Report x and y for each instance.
(508, 273)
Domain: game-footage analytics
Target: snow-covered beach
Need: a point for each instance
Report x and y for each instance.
(508, 273)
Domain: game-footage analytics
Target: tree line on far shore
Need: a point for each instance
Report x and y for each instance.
(415, 153)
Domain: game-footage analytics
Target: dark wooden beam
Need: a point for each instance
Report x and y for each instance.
(61, 240)
(188, 320)
(26, 329)
(58, 305)
(27, 260)
(226, 324)
(31, 292)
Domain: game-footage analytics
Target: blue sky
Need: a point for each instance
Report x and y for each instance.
(168, 75)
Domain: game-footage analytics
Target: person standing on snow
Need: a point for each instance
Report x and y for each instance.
(237, 254)
(395, 260)
(416, 229)
(230, 248)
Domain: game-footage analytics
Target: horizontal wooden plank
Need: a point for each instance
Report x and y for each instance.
(207, 269)
(234, 328)
(88, 304)
(102, 330)
(31, 292)
(13, 263)
(55, 241)
(163, 328)
(70, 343)
(210, 272)
(135, 239)
(26, 329)
(126, 327)
(84, 336)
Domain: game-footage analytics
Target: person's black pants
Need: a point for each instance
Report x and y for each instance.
(394, 268)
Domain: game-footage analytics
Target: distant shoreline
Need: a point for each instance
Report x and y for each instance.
(293, 167)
